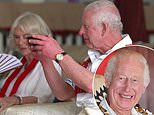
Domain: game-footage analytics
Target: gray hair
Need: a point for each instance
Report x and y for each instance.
(105, 11)
(124, 53)
(31, 23)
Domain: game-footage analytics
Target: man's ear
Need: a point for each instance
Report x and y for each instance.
(104, 28)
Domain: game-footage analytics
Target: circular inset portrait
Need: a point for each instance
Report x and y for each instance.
(123, 82)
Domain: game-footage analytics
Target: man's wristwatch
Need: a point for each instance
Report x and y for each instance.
(60, 56)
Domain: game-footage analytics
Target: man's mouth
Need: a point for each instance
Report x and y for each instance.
(126, 96)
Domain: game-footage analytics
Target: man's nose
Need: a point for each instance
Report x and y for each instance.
(128, 85)
(81, 31)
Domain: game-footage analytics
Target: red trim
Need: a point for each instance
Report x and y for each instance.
(23, 76)
(20, 78)
(10, 78)
(103, 64)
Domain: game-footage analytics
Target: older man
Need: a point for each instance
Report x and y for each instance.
(101, 30)
(126, 78)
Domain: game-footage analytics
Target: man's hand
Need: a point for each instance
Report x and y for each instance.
(46, 46)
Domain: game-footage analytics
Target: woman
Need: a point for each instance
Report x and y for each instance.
(26, 84)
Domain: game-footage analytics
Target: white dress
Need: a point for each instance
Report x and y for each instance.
(35, 84)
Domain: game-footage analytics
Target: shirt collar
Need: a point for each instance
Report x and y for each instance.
(124, 42)
(106, 106)
(93, 55)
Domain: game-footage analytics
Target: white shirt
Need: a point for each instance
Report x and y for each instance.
(87, 99)
(35, 84)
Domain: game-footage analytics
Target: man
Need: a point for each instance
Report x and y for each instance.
(101, 30)
(126, 78)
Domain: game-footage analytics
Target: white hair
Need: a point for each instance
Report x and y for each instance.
(124, 53)
(30, 23)
(105, 11)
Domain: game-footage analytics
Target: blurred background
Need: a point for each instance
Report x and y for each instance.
(64, 19)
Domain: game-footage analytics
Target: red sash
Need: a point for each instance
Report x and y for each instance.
(20, 78)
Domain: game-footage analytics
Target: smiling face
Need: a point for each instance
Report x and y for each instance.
(21, 42)
(127, 85)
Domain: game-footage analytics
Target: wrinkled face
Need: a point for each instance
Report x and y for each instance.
(21, 41)
(127, 85)
(90, 32)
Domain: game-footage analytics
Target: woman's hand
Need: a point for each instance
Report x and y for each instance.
(6, 102)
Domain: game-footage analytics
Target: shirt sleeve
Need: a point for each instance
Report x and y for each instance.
(86, 100)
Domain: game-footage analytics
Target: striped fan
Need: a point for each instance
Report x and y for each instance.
(8, 62)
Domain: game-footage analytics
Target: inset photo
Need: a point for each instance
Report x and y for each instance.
(123, 82)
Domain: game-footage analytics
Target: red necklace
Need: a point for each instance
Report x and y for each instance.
(19, 79)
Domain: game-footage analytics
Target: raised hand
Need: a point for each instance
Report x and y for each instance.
(46, 46)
